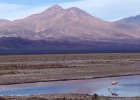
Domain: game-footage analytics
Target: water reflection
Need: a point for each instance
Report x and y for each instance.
(127, 86)
(113, 92)
(113, 88)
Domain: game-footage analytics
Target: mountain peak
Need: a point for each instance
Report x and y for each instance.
(77, 11)
(74, 8)
(55, 8)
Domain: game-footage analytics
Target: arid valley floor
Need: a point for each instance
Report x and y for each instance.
(16, 69)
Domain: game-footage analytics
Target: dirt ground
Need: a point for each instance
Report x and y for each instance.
(40, 68)
(67, 97)
(37, 68)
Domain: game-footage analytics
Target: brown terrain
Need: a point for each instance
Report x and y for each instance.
(55, 67)
(35, 68)
(67, 97)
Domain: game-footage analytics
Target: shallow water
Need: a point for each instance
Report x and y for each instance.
(127, 86)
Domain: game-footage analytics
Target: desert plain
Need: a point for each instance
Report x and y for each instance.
(17, 69)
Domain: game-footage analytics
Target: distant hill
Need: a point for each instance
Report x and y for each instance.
(133, 21)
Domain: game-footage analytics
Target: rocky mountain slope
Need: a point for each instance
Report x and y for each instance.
(72, 28)
(58, 23)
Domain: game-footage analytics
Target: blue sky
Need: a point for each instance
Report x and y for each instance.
(109, 10)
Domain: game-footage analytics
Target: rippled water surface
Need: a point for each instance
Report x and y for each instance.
(127, 86)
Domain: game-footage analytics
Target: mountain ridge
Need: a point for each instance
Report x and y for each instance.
(67, 28)
(49, 23)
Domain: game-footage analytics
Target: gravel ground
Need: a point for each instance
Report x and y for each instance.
(67, 97)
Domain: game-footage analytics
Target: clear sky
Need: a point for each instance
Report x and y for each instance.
(109, 10)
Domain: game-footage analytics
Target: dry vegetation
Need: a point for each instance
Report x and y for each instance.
(33, 68)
